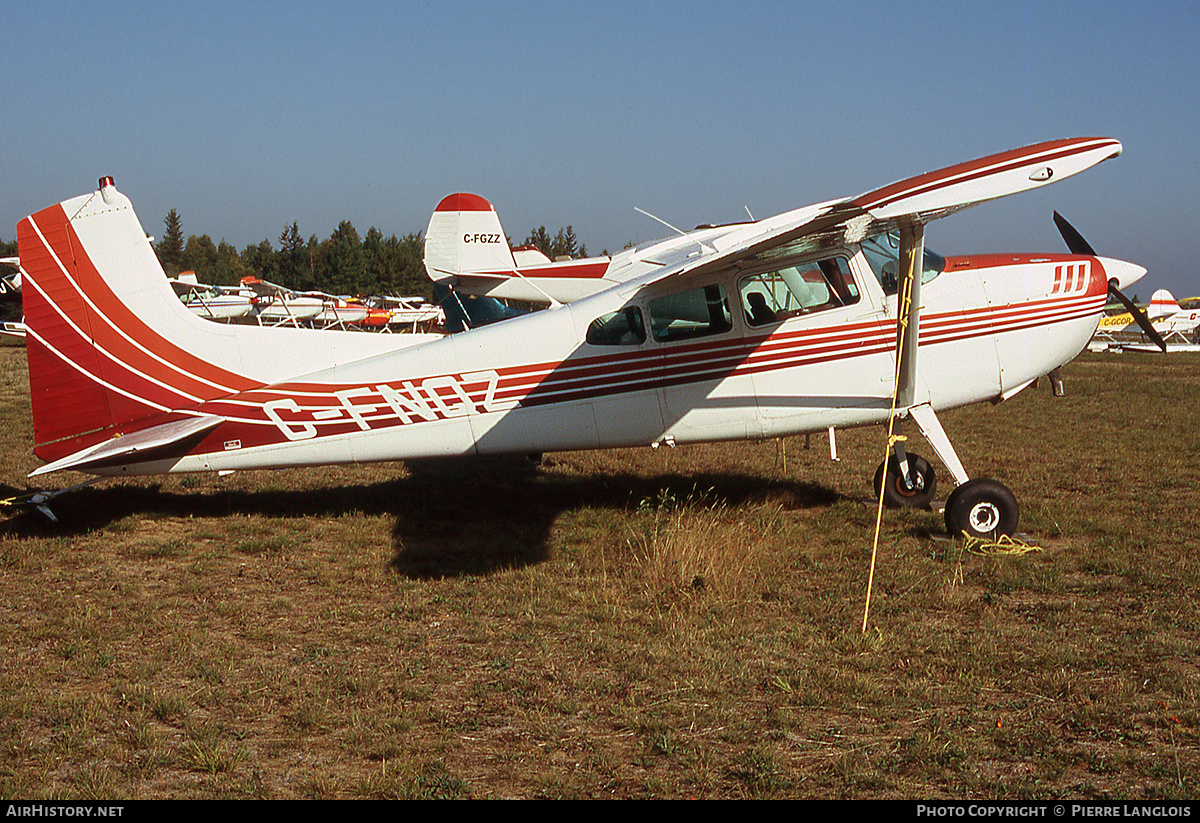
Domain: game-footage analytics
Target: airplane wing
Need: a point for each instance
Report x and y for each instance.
(915, 201)
(464, 242)
(261, 287)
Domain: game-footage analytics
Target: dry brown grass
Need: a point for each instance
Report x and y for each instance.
(636, 623)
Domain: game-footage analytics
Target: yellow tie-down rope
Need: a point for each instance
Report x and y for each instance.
(905, 305)
(1001, 545)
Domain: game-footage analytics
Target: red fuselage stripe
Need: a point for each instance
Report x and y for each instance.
(548, 383)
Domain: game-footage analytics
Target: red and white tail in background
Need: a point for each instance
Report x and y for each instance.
(465, 249)
(1162, 304)
(464, 238)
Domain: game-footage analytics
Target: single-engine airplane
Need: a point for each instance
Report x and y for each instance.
(1172, 320)
(780, 326)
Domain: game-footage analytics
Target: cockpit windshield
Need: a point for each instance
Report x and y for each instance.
(883, 255)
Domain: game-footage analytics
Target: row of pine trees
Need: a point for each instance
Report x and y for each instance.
(344, 263)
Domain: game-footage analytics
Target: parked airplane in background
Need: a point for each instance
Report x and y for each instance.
(829, 315)
(277, 306)
(211, 302)
(1171, 320)
(1176, 326)
(10, 282)
(412, 314)
(10, 288)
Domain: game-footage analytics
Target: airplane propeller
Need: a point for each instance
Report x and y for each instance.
(1078, 245)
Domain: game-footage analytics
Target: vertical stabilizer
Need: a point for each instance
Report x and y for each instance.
(113, 350)
(464, 237)
(1162, 304)
(67, 400)
(92, 290)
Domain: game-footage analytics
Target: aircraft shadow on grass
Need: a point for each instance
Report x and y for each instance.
(453, 517)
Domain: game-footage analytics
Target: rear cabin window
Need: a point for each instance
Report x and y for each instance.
(688, 314)
(774, 296)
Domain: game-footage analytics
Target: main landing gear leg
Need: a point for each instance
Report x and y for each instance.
(982, 508)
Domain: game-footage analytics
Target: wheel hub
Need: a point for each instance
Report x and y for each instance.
(984, 517)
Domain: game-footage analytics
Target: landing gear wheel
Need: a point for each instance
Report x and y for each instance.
(982, 508)
(896, 494)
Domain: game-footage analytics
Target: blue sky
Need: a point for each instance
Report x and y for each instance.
(248, 116)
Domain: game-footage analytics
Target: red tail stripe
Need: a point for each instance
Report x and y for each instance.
(183, 371)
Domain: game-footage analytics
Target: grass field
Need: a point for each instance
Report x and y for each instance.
(676, 623)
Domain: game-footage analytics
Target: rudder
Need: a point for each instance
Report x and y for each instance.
(65, 402)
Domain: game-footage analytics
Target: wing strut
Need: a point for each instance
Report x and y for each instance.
(904, 393)
(908, 309)
(908, 313)
(908, 329)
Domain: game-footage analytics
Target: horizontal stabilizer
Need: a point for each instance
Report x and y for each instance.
(155, 441)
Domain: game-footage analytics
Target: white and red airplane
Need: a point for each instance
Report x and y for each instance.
(786, 325)
(1172, 320)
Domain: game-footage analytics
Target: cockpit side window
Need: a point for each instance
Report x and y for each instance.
(883, 256)
(618, 328)
(774, 296)
(692, 313)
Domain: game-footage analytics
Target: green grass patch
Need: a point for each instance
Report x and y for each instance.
(627, 624)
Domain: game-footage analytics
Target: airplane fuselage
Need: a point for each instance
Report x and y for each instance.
(547, 381)
(795, 323)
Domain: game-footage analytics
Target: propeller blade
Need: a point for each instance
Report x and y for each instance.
(1138, 314)
(1078, 245)
(1074, 239)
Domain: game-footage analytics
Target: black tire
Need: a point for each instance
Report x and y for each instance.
(895, 494)
(982, 508)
